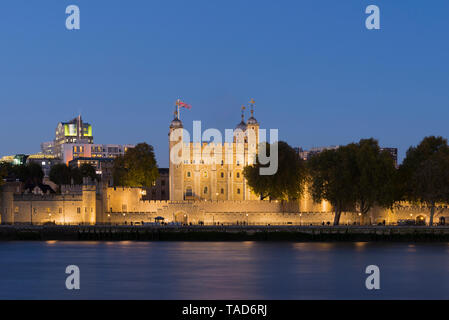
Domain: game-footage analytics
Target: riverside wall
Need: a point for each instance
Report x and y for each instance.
(96, 204)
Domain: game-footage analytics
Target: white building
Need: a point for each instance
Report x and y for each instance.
(70, 151)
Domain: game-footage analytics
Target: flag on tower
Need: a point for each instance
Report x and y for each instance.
(181, 104)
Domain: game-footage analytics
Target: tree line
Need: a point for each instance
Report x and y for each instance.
(358, 176)
(136, 168)
(32, 173)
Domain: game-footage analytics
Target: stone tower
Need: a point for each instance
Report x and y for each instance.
(7, 201)
(252, 126)
(89, 201)
(176, 174)
(251, 148)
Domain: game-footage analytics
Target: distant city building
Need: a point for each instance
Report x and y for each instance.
(306, 154)
(70, 151)
(45, 161)
(47, 148)
(103, 167)
(11, 159)
(74, 131)
(74, 139)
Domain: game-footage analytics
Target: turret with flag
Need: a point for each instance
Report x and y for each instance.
(180, 104)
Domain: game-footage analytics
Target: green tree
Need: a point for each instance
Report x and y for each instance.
(331, 178)
(60, 174)
(357, 176)
(84, 171)
(88, 171)
(28, 173)
(4, 171)
(136, 168)
(35, 173)
(287, 183)
(374, 179)
(425, 173)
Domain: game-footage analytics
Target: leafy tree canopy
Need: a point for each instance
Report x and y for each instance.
(136, 168)
(353, 177)
(61, 174)
(424, 173)
(27, 173)
(287, 183)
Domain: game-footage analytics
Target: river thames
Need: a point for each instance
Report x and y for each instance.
(223, 270)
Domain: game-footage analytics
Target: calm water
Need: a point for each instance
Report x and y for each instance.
(222, 270)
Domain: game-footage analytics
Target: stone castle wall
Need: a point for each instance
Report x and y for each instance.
(91, 205)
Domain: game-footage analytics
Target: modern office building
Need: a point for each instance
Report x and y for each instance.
(306, 154)
(74, 139)
(72, 132)
(70, 151)
(48, 147)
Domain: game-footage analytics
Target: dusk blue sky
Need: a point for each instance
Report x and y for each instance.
(316, 73)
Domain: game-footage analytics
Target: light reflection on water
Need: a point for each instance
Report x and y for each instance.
(222, 270)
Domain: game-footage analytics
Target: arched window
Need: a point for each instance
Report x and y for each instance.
(222, 190)
(222, 175)
(188, 174)
(238, 174)
(189, 192)
(205, 190)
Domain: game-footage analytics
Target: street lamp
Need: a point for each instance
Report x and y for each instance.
(247, 219)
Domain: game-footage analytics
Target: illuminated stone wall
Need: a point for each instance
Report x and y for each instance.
(72, 207)
(89, 205)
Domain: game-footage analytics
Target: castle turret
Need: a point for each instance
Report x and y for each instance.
(253, 125)
(240, 129)
(7, 202)
(89, 201)
(176, 176)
